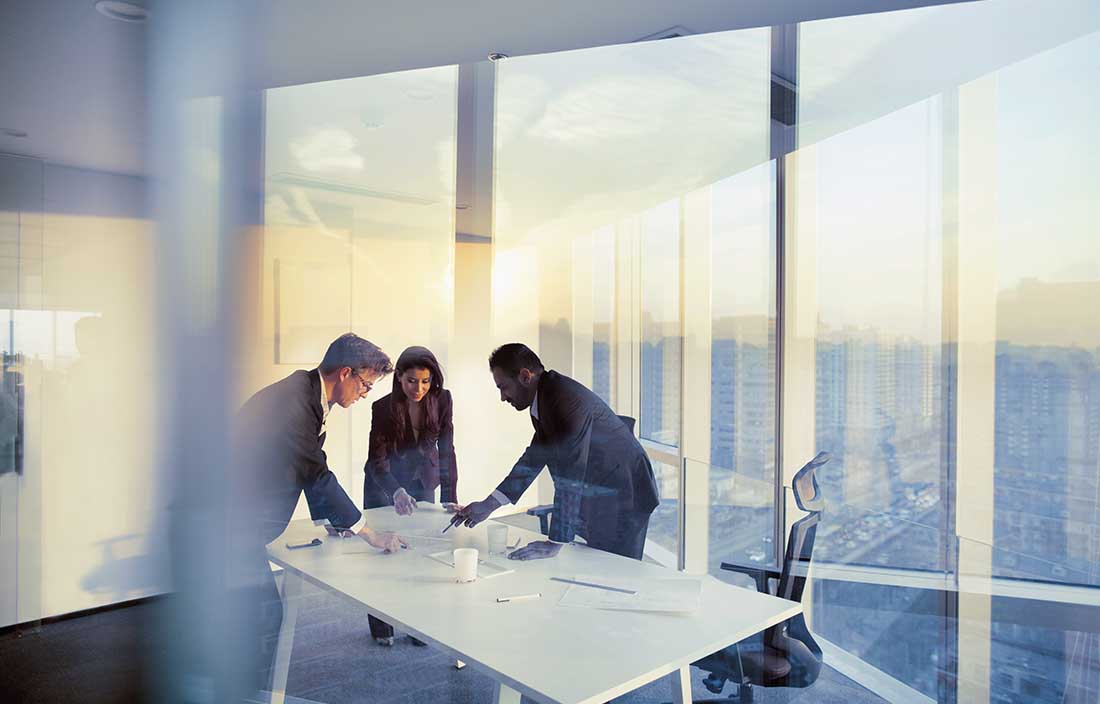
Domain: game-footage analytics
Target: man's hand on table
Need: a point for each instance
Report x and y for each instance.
(452, 507)
(403, 503)
(472, 514)
(538, 550)
(387, 542)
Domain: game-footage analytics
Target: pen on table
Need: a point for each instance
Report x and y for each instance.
(315, 541)
(592, 584)
(520, 597)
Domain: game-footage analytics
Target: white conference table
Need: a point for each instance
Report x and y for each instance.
(550, 653)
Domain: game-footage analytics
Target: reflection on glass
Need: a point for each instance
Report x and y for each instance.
(741, 525)
(661, 347)
(664, 523)
(879, 332)
(359, 228)
(359, 208)
(1047, 415)
(603, 314)
(742, 404)
(1047, 422)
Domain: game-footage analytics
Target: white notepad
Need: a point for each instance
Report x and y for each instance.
(486, 569)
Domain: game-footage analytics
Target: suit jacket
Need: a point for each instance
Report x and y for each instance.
(280, 456)
(600, 470)
(394, 462)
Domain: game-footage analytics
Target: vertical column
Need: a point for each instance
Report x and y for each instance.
(468, 373)
(969, 251)
(798, 335)
(205, 127)
(799, 313)
(695, 370)
(583, 309)
(628, 335)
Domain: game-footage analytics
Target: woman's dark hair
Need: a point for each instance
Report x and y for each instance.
(417, 358)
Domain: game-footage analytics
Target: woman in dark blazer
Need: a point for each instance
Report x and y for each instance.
(412, 447)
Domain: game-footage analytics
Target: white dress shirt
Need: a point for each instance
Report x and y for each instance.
(326, 406)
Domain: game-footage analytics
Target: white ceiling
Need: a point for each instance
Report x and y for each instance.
(75, 80)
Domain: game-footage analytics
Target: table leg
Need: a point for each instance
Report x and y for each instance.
(505, 694)
(681, 685)
(292, 591)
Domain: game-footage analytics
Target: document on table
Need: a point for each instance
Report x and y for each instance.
(677, 595)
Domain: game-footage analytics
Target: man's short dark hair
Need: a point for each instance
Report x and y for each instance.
(514, 356)
(350, 350)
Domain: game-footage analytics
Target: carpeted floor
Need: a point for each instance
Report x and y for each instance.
(100, 658)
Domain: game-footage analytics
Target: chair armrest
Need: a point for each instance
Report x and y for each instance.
(543, 513)
(759, 574)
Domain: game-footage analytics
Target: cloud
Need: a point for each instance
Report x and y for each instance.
(328, 149)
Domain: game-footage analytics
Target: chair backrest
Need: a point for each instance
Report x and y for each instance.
(806, 662)
(800, 541)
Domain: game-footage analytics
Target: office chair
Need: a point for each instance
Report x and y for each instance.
(786, 655)
(544, 512)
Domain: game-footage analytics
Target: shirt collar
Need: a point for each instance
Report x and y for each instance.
(324, 402)
(535, 405)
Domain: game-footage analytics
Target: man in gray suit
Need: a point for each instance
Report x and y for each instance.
(604, 488)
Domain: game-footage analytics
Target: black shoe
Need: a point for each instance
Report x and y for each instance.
(417, 642)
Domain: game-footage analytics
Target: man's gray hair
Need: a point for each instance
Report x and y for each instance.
(350, 350)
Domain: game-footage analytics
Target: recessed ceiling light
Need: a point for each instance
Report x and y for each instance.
(497, 56)
(12, 132)
(122, 11)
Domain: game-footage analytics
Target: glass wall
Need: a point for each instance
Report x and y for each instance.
(941, 174)
(359, 230)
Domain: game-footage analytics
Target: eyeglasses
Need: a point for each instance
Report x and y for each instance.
(367, 385)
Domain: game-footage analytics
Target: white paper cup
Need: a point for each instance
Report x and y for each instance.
(498, 538)
(465, 564)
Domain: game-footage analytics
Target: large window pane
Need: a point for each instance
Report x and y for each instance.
(1047, 422)
(743, 346)
(870, 195)
(879, 368)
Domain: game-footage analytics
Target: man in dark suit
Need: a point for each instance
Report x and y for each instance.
(279, 438)
(604, 488)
